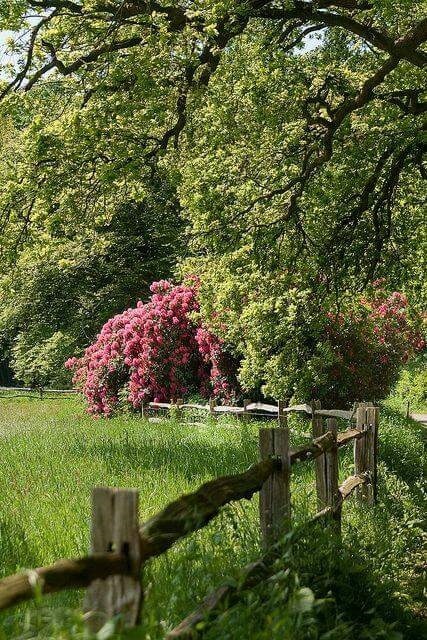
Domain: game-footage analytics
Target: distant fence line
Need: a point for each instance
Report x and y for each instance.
(249, 408)
(120, 545)
(22, 392)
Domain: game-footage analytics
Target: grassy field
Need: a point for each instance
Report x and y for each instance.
(52, 454)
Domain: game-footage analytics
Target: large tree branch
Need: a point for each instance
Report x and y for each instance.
(408, 100)
(402, 48)
(20, 77)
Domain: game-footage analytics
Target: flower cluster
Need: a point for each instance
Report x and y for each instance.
(367, 346)
(156, 351)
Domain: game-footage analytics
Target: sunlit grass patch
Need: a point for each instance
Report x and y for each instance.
(53, 453)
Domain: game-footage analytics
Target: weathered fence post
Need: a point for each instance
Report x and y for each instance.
(360, 446)
(144, 412)
(246, 414)
(115, 529)
(365, 451)
(275, 497)
(320, 462)
(179, 402)
(212, 405)
(174, 408)
(372, 420)
(331, 469)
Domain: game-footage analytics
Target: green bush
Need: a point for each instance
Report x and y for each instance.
(42, 364)
(411, 386)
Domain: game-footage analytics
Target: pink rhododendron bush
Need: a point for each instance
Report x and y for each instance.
(155, 352)
(366, 346)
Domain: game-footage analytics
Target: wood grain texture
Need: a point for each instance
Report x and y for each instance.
(275, 499)
(331, 467)
(336, 413)
(262, 406)
(372, 421)
(362, 453)
(193, 511)
(317, 428)
(115, 529)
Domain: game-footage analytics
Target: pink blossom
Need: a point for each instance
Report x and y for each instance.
(155, 351)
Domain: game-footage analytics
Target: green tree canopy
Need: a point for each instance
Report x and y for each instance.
(292, 133)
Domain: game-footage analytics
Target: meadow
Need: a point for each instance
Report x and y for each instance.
(52, 454)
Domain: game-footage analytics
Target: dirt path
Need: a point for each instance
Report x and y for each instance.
(420, 417)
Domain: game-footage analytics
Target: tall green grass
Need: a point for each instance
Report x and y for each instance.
(52, 454)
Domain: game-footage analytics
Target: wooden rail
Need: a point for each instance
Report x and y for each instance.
(28, 392)
(64, 574)
(137, 543)
(249, 409)
(252, 574)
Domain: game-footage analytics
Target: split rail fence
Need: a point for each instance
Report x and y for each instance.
(41, 392)
(120, 546)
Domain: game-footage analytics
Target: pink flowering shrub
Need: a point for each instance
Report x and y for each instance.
(154, 352)
(367, 344)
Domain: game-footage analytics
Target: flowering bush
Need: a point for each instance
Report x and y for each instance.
(155, 351)
(365, 348)
(160, 350)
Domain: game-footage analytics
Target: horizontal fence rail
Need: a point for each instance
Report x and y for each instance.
(120, 545)
(38, 389)
(42, 392)
(250, 409)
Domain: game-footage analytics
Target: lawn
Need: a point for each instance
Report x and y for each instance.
(53, 454)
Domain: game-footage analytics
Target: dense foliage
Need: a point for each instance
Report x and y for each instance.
(156, 351)
(161, 350)
(290, 348)
(366, 348)
(411, 388)
(287, 136)
(57, 296)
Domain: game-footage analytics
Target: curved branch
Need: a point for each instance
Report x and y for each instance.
(19, 78)
(403, 48)
(66, 70)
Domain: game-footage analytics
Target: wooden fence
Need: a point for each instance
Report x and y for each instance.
(41, 392)
(120, 546)
(248, 410)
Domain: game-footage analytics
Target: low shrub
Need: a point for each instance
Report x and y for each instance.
(39, 363)
(156, 351)
(365, 347)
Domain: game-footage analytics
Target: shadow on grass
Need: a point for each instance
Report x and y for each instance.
(363, 596)
(318, 588)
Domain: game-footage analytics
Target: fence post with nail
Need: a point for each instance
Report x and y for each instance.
(115, 530)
